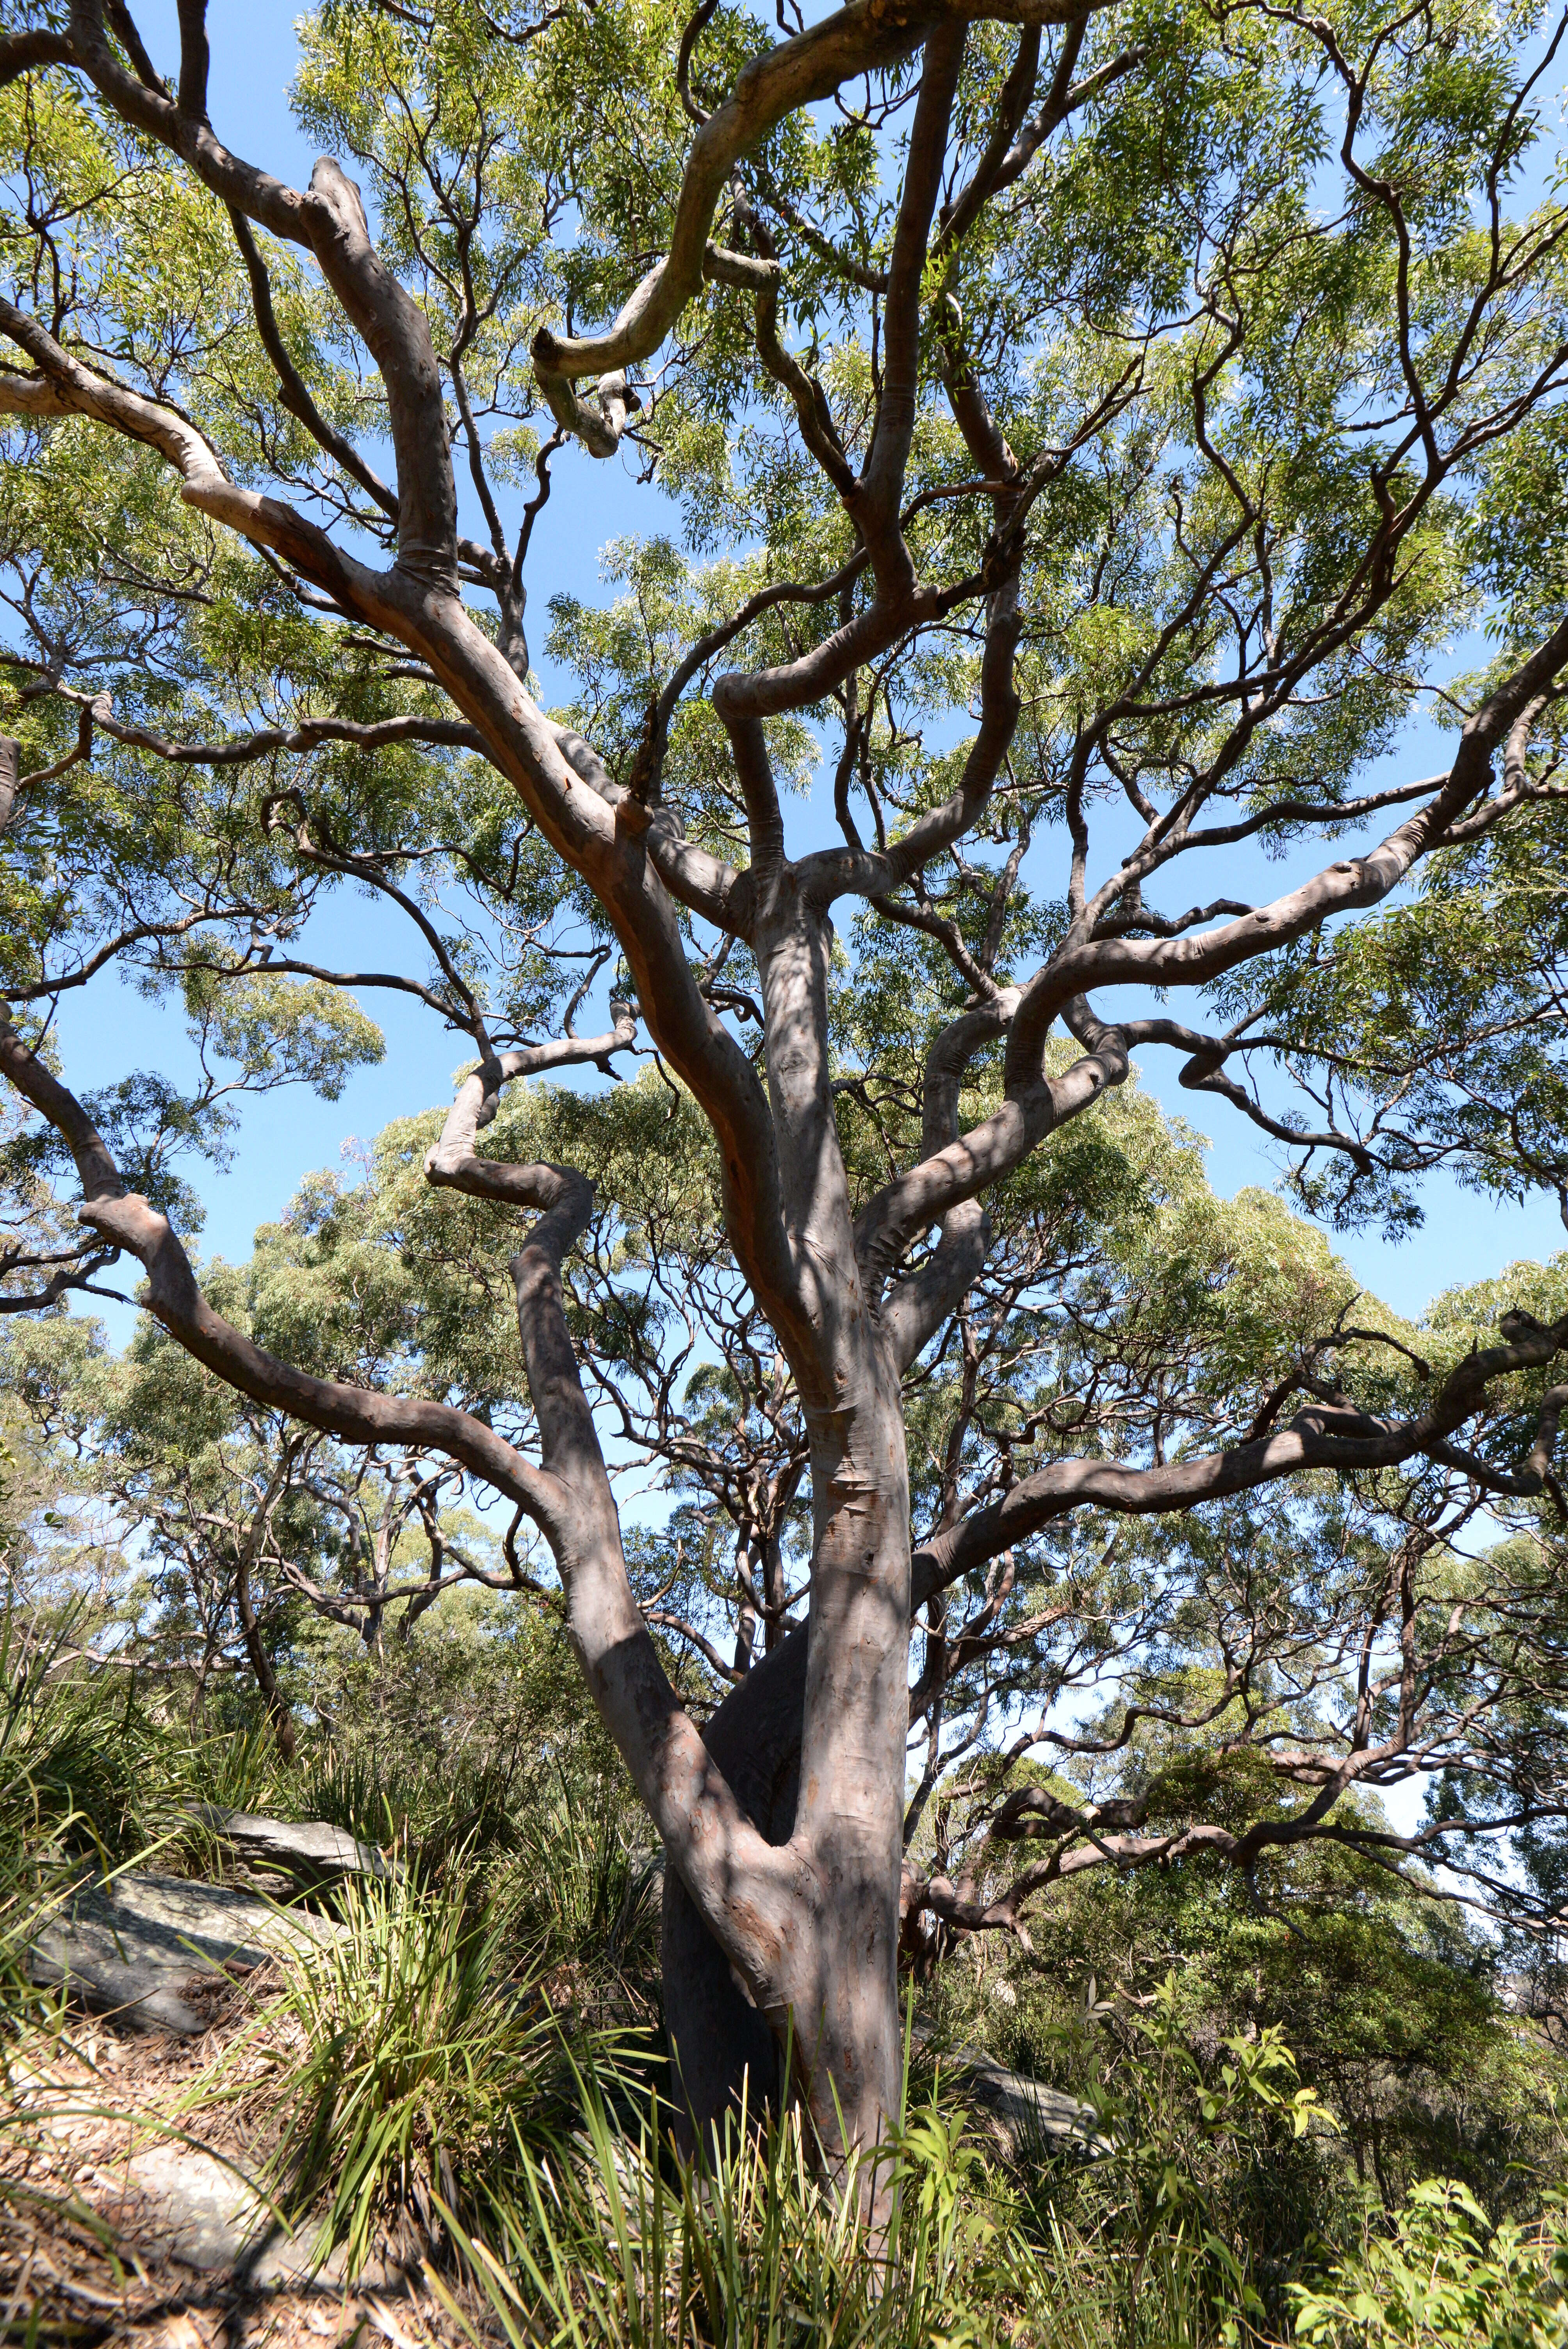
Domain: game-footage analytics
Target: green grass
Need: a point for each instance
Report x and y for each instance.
(62, 1781)
(590, 1888)
(89, 1770)
(408, 2063)
(615, 2242)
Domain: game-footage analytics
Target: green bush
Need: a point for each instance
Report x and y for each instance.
(1444, 2276)
(1181, 2225)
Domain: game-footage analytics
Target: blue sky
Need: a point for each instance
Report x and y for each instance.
(286, 1135)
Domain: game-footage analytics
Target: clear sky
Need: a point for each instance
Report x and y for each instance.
(286, 1135)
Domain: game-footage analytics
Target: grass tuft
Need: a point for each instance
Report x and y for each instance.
(405, 2065)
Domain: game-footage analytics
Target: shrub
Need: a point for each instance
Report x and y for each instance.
(1445, 2275)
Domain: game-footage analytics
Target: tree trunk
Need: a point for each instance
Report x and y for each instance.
(835, 1999)
(260, 1662)
(720, 2046)
(812, 1742)
(855, 1725)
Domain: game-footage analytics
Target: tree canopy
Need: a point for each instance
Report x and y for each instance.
(1094, 437)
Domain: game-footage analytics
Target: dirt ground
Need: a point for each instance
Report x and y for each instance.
(86, 2253)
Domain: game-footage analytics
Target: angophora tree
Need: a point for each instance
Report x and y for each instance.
(1154, 388)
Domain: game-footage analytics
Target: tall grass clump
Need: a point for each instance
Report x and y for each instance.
(616, 2243)
(40, 1824)
(406, 2063)
(589, 1896)
(91, 1773)
(76, 1760)
(1115, 2243)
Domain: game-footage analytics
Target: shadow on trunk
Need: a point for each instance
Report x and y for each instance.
(718, 2038)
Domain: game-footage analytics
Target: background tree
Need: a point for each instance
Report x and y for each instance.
(1095, 424)
(216, 1524)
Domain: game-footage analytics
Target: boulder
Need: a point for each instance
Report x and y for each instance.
(185, 2204)
(312, 1853)
(1024, 2112)
(155, 1950)
(193, 2207)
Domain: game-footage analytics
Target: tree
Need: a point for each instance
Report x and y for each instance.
(216, 1522)
(1095, 424)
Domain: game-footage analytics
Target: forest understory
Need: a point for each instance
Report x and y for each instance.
(1335, 2127)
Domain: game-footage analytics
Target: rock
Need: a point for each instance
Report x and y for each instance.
(1023, 2111)
(196, 2207)
(210, 2214)
(153, 1949)
(311, 1853)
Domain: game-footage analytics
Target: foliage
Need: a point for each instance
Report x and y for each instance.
(478, 1692)
(1202, 2166)
(406, 2058)
(1399, 2017)
(1445, 2275)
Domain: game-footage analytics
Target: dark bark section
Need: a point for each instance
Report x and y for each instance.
(720, 2046)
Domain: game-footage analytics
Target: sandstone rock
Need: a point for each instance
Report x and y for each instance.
(154, 1949)
(195, 2208)
(1023, 2111)
(309, 1851)
(187, 2205)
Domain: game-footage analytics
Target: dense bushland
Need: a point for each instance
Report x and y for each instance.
(473, 2078)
